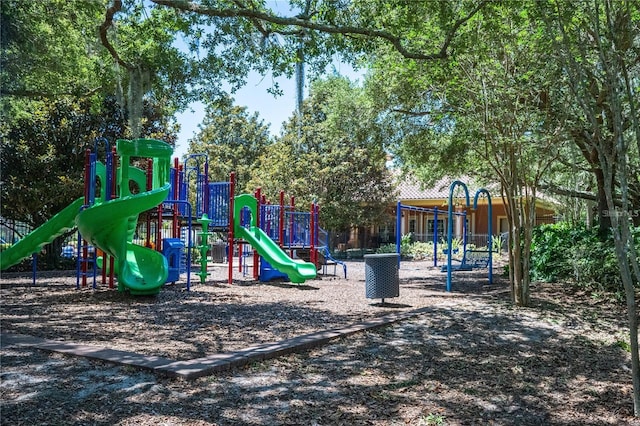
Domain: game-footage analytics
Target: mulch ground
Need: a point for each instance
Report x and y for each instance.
(470, 358)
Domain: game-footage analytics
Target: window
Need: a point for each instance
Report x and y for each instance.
(442, 232)
(503, 224)
(384, 234)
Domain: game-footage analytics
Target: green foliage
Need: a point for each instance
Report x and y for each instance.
(386, 248)
(405, 245)
(623, 344)
(42, 160)
(233, 140)
(497, 242)
(421, 250)
(432, 420)
(562, 252)
(417, 250)
(333, 155)
(551, 250)
(456, 244)
(196, 255)
(49, 47)
(595, 49)
(230, 38)
(595, 263)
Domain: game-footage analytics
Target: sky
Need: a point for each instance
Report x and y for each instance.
(271, 109)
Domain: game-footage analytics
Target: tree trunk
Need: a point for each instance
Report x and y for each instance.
(633, 336)
(624, 250)
(604, 218)
(519, 277)
(591, 156)
(518, 267)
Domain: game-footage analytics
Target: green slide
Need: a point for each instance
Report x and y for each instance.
(111, 225)
(41, 236)
(297, 270)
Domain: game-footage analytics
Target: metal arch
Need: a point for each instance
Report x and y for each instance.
(450, 225)
(489, 228)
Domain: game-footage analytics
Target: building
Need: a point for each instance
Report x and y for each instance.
(425, 215)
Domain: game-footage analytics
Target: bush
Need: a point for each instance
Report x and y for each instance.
(552, 251)
(417, 250)
(405, 245)
(564, 252)
(595, 264)
(386, 248)
(420, 250)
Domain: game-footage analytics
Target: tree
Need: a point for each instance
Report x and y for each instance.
(336, 158)
(49, 49)
(227, 39)
(146, 60)
(597, 47)
(232, 139)
(42, 155)
(331, 26)
(480, 114)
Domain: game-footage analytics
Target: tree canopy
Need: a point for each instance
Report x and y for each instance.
(50, 49)
(332, 155)
(233, 141)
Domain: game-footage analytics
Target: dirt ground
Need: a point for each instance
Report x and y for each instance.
(471, 358)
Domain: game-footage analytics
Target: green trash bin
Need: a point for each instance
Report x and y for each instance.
(382, 277)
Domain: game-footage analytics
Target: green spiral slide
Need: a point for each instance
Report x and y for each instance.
(111, 225)
(297, 270)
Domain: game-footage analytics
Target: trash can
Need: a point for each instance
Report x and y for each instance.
(382, 277)
(172, 250)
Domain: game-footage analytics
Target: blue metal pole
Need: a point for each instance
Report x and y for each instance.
(435, 236)
(464, 237)
(450, 225)
(489, 228)
(398, 230)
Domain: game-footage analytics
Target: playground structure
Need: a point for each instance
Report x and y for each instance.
(138, 224)
(469, 257)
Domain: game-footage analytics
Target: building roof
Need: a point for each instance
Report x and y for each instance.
(409, 188)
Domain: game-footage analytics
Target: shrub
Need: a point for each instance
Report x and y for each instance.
(564, 252)
(552, 249)
(386, 248)
(595, 264)
(421, 250)
(417, 250)
(498, 242)
(405, 245)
